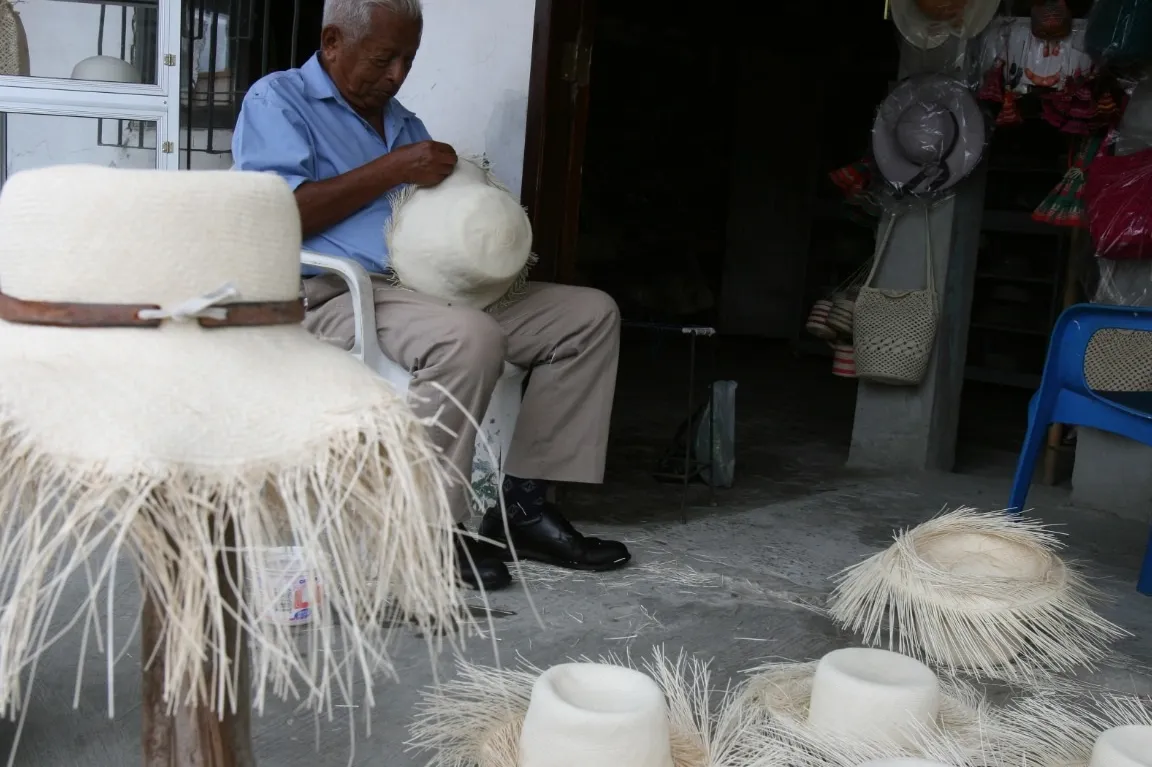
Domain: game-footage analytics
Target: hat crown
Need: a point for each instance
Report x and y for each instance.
(589, 713)
(873, 695)
(925, 132)
(1129, 746)
(97, 235)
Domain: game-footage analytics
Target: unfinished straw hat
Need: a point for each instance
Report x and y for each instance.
(466, 240)
(159, 399)
(981, 592)
(582, 714)
(860, 703)
(1057, 729)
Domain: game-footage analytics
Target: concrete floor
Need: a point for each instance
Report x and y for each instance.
(720, 584)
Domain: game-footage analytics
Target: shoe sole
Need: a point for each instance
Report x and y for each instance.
(566, 564)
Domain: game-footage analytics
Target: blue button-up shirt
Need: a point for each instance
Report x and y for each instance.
(296, 124)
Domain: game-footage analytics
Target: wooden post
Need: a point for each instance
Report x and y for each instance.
(196, 737)
(1071, 296)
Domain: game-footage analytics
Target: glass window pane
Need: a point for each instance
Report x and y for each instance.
(79, 39)
(37, 141)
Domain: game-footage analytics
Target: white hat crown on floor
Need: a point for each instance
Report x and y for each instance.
(584, 714)
(873, 694)
(466, 240)
(1129, 746)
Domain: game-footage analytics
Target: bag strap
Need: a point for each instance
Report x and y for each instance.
(882, 247)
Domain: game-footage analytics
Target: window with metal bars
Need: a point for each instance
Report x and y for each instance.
(227, 46)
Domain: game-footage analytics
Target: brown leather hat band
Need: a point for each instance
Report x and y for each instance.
(77, 315)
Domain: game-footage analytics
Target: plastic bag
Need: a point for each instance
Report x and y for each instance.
(1118, 197)
(720, 427)
(1120, 31)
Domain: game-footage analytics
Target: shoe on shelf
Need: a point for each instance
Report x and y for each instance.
(550, 538)
(480, 564)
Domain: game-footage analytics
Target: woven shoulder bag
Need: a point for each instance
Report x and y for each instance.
(894, 330)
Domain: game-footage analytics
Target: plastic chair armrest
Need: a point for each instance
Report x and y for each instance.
(364, 345)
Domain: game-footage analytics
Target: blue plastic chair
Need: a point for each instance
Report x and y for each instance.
(1064, 397)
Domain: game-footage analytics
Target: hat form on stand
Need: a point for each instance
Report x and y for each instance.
(981, 592)
(580, 714)
(929, 135)
(159, 399)
(1076, 729)
(859, 703)
(107, 69)
(929, 24)
(466, 240)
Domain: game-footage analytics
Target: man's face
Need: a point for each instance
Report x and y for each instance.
(368, 72)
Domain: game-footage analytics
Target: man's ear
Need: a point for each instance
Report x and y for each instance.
(331, 39)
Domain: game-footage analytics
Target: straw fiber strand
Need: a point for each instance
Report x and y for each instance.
(367, 505)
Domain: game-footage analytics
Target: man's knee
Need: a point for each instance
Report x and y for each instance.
(595, 309)
(471, 341)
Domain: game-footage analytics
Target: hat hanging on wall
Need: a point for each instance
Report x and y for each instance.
(929, 135)
(861, 703)
(160, 399)
(1076, 730)
(930, 23)
(13, 42)
(583, 714)
(980, 592)
(466, 240)
(108, 69)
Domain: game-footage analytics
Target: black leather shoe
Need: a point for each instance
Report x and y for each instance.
(550, 538)
(479, 563)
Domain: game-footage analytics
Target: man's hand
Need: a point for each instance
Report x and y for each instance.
(425, 164)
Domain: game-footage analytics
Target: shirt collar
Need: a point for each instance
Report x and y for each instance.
(320, 87)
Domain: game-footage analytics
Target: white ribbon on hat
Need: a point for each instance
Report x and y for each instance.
(194, 308)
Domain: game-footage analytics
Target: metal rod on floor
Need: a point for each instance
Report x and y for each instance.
(688, 435)
(712, 467)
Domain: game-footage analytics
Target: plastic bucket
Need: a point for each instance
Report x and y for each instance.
(283, 592)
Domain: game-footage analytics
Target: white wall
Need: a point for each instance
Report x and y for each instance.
(470, 80)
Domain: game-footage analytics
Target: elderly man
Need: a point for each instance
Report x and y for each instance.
(335, 132)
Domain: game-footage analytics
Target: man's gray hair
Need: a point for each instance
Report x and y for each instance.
(353, 17)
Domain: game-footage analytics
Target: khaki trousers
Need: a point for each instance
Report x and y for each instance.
(569, 337)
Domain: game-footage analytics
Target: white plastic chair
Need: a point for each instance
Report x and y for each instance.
(499, 420)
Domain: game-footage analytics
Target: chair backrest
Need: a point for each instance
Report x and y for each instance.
(1072, 342)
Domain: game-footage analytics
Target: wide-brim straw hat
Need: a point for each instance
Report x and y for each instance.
(1066, 729)
(466, 240)
(857, 703)
(929, 134)
(981, 592)
(925, 33)
(159, 396)
(484, 716)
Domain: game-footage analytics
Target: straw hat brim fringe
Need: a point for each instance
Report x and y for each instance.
(363, 494)
(397, 198)
(475, 719)
(779, 694)
(1017, 628)
(1060, 729)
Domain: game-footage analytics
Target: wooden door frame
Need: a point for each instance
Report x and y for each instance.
(554, 135)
